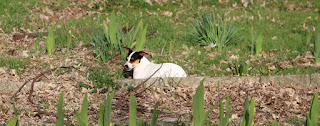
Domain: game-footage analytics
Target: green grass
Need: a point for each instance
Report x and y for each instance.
(101, 79)
(282, 30)
(14, 14)
(14, 63)
(296, 121)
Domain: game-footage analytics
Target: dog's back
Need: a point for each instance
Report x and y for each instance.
(166, 70)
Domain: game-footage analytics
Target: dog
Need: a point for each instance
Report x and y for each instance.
(143, 68)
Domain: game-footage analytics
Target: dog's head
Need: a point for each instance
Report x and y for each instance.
(133, 58)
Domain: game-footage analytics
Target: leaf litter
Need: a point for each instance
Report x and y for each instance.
(273, 102)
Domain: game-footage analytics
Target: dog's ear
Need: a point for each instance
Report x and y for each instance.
(128, 50)
(142, 53)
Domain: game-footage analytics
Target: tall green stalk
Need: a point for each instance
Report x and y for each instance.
(155, 115)
(313, 115)
(82, 118)
(105, 110)
(199, 117)
(258, 45)
(132, 111)
(249, 112)
(141, 37)
(50, 42)
(13, 121)
(69, 41)
(317, 47)
(224, 117)
(60, 111)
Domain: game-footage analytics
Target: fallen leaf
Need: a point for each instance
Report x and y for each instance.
(167, 13)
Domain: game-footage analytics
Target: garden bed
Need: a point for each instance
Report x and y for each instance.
(286, 103)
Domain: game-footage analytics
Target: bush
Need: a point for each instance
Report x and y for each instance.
(207, 30)
(114, 38)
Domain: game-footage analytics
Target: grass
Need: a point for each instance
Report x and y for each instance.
(14, 63)
(282, 30)
(101, 78)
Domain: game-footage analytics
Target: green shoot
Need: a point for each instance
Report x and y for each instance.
(258, 45)
(155, 115)
(50, 42)
(60, 110)
(239, 69)
(224, 117)
(82, 119)
(312, 117)
(199, 117)
(249, 111)
(69, 42)
(309, 37)
(141, 37)
(317, 47)
(132, 111)
(252, 43)
(105, 111)
(275, 123)
(13, 121)
(114, 29)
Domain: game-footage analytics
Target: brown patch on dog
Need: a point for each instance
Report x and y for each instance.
(142, 53)
(136, 61)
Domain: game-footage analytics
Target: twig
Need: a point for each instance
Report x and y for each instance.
(30, 35)
(149, 86)
(152, 33)
(138, 86)
(35, 79)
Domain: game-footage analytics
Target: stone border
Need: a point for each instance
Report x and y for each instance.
(297, 80)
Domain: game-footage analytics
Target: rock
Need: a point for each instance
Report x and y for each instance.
(170, 120)
(3, 70)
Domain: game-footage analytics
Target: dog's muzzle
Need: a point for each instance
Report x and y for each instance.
(125, 67)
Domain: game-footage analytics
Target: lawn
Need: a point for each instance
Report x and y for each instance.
(284, 27)
(286, 30)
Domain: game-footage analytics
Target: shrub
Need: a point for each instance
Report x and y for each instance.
(114, 39)
(208, 30)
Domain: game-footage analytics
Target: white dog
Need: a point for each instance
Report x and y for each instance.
(143, 68)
